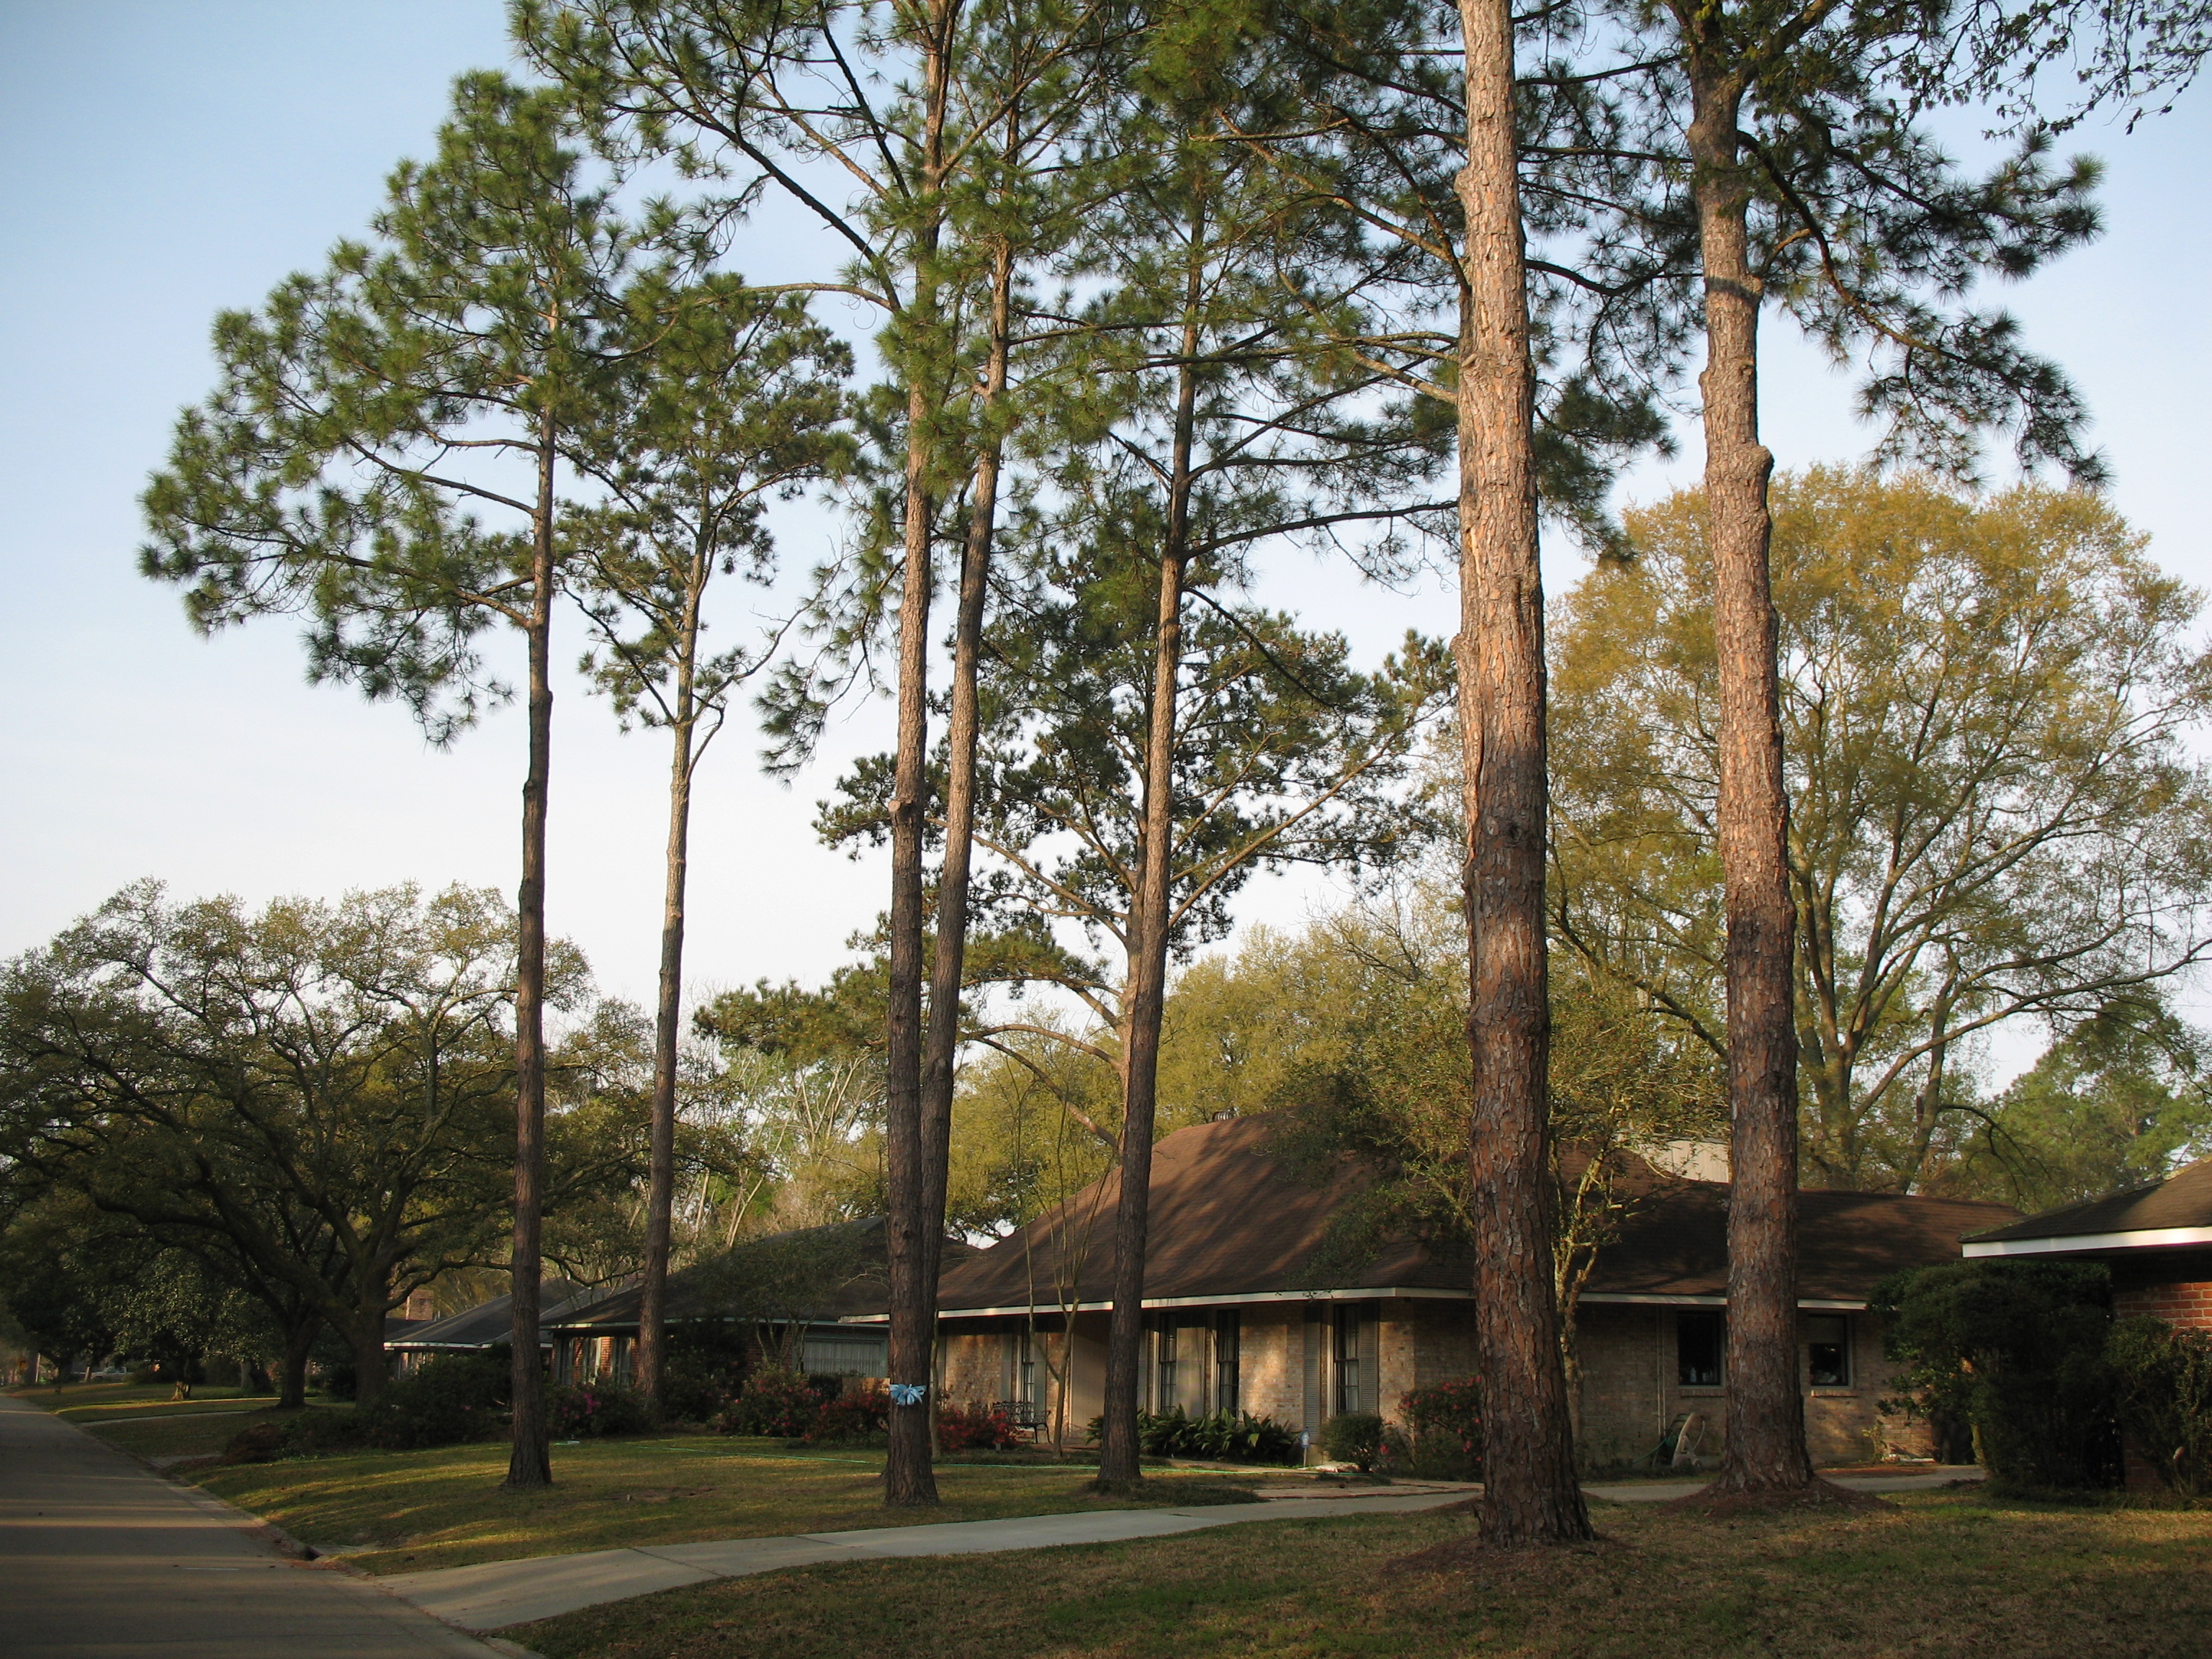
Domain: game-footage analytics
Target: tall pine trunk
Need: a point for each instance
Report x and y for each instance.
(908, 1479)
(1764, 1448)
(947, 968)
(1118, 1449)
(1530, 1494)
(529, 1464)
(660, 1152)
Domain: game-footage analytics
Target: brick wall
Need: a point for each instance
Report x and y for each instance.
(1271, 1363)
(2186, 1304)
(974, 1367)
(1623, 1410)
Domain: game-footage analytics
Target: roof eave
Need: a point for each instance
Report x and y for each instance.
(2151, 1238)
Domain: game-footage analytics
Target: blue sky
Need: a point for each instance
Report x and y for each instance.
(165, 161)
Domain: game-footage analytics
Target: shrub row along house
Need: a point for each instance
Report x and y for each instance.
(1255, 1304)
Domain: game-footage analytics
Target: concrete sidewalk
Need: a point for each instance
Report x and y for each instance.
(98, 1558)
(502, 1593)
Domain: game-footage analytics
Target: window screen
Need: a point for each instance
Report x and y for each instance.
(1228, 1342)
(1347, 1360)
(1698, 1338)
(1828, 1349)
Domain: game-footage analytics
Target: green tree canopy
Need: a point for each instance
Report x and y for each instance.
(1988, 705)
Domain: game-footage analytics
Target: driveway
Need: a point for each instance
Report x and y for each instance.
(100, 1559)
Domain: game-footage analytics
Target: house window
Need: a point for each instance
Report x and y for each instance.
(1163, 1365)
(1699, 1340)
(835, 1352)
(1828, 1350)
(1228, 1343)
(1025, 1369)
(1346, 1351)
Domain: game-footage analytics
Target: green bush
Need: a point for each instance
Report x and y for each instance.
(587, 1410)
(2016, 1350)
(859, 1419)
(2162, 1379)
(1222, 1436)
(704, 1370)
(1354, 1438)
(451, 1399)
(1443, 1430)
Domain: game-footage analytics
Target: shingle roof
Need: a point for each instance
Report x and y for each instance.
(488, 1322)
(1229, 1221)
(852, 1253)
(2183, 1200)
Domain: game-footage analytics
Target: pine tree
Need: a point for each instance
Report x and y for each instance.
(726, 400)
(366, 416)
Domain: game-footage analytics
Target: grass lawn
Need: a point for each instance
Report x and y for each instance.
(146, 1420)
(414, 1511)
(1937, 1575)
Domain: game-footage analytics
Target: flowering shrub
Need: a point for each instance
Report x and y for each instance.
(779, 1403)
(579, 1411)
(1445, 1421)
(974, 1428)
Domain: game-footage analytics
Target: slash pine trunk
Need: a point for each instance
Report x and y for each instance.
(661, 1175)
(1764, 1446)
(1530, 1493)
(946, 970)
(909, 1479)
(530, 1465)
(1118, 1449)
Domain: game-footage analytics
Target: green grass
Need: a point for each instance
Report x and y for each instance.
(414, 1511)
(146, 1420)
(1937, 1575)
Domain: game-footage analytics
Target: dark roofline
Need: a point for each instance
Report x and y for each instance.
(2175, 1214)
(1231, 1225)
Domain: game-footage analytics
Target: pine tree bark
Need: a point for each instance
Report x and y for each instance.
(660, 1152)
(909, 1479)
(1764, 1446)
(530, 1463)
(1530, 1493)
(948, 966)
(1118, 1447)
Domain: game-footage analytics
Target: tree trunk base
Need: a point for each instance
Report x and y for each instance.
(1716, 1502)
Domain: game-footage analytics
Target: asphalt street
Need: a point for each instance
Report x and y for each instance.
(100, 1557)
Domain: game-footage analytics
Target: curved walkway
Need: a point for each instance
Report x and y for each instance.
(100, 1559)
(496, 1593)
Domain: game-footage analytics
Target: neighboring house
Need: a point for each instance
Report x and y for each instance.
(474, 1329)
(794, 1290)
(1244, 1311)
(2157, 1241)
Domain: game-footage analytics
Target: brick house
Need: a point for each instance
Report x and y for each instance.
(2157, 1241)
(1252, 1304)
